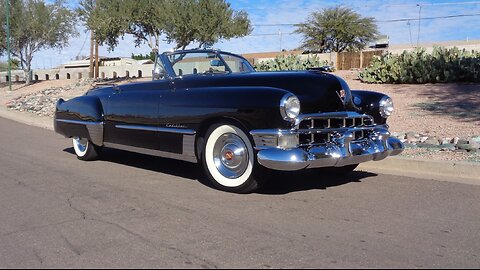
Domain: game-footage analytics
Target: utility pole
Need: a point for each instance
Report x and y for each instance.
(280, 35)
(410, 30)
(91, 72)
(419, 23)
(8, 47)
(97, 59)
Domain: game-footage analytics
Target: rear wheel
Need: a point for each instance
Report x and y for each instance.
(229, 160)
(85, 149)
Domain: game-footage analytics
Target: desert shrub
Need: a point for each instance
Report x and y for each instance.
(290, 62)
(441, 66)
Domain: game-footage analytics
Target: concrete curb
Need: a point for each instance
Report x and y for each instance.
(26, 118)
(452, 171)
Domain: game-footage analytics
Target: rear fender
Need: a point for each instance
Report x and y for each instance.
(80, 117)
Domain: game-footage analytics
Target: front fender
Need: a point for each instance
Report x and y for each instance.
(254, 107)
(368, 102)
(80, 117)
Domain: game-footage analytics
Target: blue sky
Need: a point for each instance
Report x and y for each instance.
(269, 12)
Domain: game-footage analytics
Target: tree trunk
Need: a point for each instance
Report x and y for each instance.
(27, 69)
(28, 80)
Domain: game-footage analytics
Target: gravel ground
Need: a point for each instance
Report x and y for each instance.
(436, 110)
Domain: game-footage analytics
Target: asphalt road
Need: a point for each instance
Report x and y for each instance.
(132, 210)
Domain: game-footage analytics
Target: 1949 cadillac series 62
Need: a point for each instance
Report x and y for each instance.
(211, 107)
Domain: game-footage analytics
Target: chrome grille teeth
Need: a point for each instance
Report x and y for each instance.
(317, 129)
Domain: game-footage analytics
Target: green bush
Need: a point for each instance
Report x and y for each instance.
(441, 66)
(290, 62)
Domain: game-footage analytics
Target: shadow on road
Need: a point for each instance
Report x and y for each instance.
(280, 183)
(288, 182)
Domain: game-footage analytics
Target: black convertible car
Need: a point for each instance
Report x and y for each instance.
(211, 107)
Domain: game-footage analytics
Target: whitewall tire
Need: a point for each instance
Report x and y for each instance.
(229, 159)
(85, 149)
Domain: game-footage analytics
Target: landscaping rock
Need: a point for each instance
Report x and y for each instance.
(462, 141)
(411, 146)
(412, 137)
(447, 147)
(41, 103)
(476, 139)
(432, 141)
(455, 140)
(422, 139)
(467, 147)
(446, 141)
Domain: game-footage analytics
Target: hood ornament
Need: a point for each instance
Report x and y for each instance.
(342, 94)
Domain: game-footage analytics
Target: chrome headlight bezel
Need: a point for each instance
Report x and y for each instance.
(386, 107)
(290, 107)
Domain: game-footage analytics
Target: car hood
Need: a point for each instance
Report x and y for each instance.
(317, 91)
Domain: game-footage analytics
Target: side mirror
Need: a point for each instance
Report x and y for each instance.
(216, 63)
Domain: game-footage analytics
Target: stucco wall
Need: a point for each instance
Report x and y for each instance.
(79, 73)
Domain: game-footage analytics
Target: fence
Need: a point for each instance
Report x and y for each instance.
(349, 60)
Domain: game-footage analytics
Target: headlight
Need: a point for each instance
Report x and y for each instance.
(386, 107)
(289, 107)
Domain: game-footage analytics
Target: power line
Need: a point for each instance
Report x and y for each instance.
(431, 18)
(83, 45)
(382, 21)
(374, 5)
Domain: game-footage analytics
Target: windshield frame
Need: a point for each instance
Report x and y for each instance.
(168, 65)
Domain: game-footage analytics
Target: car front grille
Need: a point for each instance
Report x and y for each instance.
(319, 129)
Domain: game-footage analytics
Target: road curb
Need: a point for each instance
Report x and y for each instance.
(26, 118)
(456, 171)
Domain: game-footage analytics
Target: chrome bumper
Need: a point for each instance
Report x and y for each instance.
(340, 152)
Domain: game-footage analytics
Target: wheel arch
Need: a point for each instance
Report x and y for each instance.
(207, 123)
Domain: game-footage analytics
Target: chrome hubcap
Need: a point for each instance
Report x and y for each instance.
(81, 144)
(230, 156)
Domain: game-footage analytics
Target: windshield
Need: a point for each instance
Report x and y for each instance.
(207, 63)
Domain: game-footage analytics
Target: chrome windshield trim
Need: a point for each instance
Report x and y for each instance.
(158, 129)
(78, 122)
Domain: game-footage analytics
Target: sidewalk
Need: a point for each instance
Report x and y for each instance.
(451, 171)
(26, 118)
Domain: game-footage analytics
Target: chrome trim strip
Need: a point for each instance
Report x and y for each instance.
(188, 147)
(95, 129)
(77, 122)
(151, 152)
(158, 129)
(133, 127)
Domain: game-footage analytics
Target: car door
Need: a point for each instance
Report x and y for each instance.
(132, 114)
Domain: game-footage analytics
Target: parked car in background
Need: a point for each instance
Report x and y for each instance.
(213, 108)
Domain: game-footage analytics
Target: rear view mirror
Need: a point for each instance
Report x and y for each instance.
(216, 63)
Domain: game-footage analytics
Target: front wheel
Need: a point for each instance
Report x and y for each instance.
(85, 149)
(229, 159)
